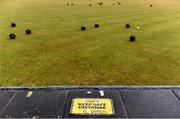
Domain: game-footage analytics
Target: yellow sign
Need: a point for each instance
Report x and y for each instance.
(92, 106)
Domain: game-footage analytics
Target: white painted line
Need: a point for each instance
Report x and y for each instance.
(88, 92)
(101, 93)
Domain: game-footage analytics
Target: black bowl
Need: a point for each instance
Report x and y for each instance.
(28, 31)
(13, 25)
(12, 36)
(132, 38)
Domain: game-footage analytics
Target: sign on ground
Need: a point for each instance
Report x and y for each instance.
(92, 106)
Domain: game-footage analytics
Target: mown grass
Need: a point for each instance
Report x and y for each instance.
(58, 53)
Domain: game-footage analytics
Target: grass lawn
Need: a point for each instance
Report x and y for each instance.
(58, 53)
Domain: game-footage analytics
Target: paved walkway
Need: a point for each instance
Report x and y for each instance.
(56, 102)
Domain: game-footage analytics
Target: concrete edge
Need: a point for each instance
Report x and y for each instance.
(131, 87)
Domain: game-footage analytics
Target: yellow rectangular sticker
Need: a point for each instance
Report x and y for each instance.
(29, 94)
(92, 106)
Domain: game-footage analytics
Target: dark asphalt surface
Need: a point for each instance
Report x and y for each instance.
(55, 102)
